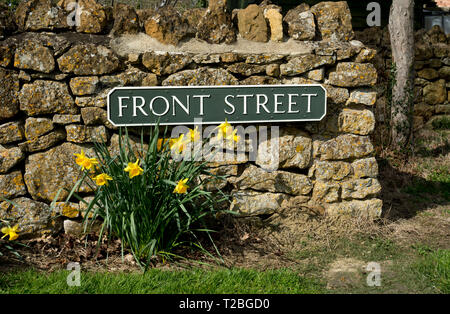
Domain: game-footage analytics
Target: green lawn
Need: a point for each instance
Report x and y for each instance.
(221, 281)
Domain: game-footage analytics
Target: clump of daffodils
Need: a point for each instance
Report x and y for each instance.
(145, 196)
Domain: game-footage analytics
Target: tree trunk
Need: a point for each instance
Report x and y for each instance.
(401, 29)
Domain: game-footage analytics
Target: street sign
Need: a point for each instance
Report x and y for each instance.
(179, 105)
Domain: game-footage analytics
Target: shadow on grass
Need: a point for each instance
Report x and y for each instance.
(407, 193)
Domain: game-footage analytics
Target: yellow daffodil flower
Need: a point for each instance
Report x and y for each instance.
(85, 162)
(194, 135)
(133, 169)
(161, 142)
(177, 144)
(12, 232)
(102, 179)
(233, 137)
(181, 187)
(224, 129)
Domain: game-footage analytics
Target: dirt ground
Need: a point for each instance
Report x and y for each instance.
(416, 213)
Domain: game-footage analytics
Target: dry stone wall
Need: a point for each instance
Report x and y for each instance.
(55, 79)
(432, 75)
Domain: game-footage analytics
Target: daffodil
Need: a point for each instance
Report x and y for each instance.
(102, 179)
(194, 135)
(224, 129)
(233, 137)
(12, 232)
(133, 169)
(85, 162)
(161, 142)
(177, 144)
(181, 187)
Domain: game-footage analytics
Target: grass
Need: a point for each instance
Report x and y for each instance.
(434, 267)
(234, 281)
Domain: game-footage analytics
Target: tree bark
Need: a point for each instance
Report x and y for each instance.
(401, 29)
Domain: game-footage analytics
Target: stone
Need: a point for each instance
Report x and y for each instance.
(366, 55)
(330, 170)
(34, 15)
(216, 26)
(365, 97)
(368, 208)
(263, 58)
(214, 184)
(345, 146)
(255, 178)
(85, 85)
(423, 110)
(300, 23)
(11, 185)
(93, 17)
(163, 63)
(66, 118)
(259, 80)
(86, 134)
(360, 122)
(334, 20)
(58, 44)
(9, 90)
(275, 21)
(360, 188)
(67, 209)
(35, 127)
(30, 55)
(336, 95)
(46, 97)
(150, 80)
(441, 50)
(167, 26)
(252, 24)
(273, 70)
(43, 142)
(422, 52)
(428, 74)
(230, 57)
(9, 158)
(444, 73)
(99, 100)
(206, 58)
(317, 74)
(135, 143)
(11, 132)
(444, 109)
(435, 93)
(33, 217)
(73, 227)
(126, 21)
(304, 63)
(130, 77)
(325, 192)
(249, 203)
(55, 170)
(193, 17)
(95, 116)
(6, 54)
(88, 59)
(201, 76)
(365, 168)
(351, 74)
(291, 149)
(246, 69)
